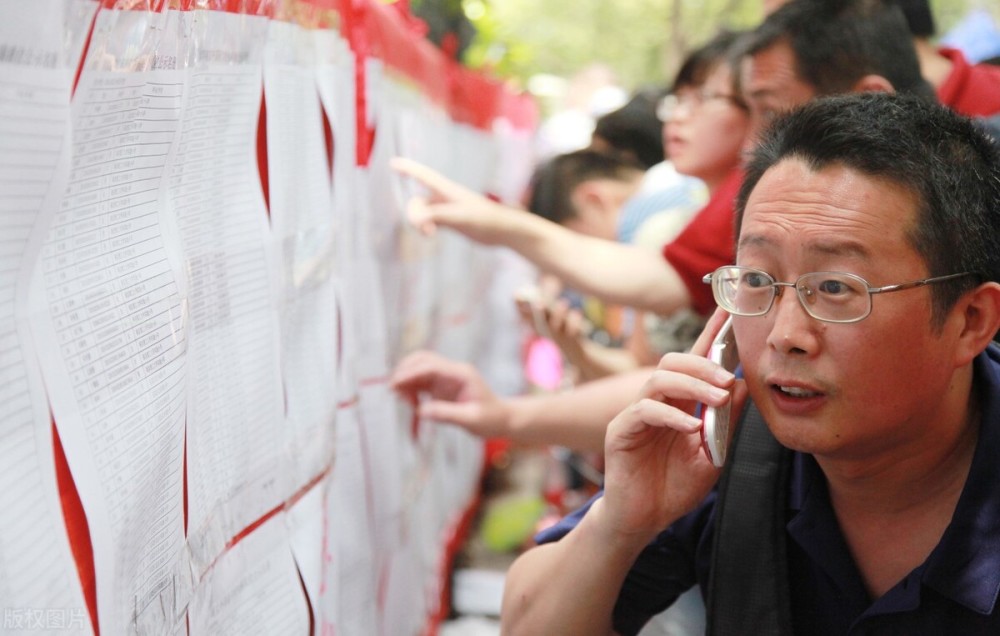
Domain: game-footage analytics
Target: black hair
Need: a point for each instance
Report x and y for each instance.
(553, 182)
(723, 48)
(634, 129)
(951, 167)
(837, 42)
(919, 17)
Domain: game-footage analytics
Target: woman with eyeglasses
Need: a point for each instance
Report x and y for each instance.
(704, 134)
(704, 124)
(702, 118)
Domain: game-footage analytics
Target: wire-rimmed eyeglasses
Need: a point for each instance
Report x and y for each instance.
(828, 296)
(692, 99)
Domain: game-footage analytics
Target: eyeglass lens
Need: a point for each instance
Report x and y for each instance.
(832, 296)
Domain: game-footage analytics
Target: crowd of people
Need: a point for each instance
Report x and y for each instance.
(844, 157)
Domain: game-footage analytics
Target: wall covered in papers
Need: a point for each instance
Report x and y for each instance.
(205, 278)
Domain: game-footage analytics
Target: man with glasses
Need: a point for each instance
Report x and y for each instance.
(865, 294)
(826, 296)
(805, 49)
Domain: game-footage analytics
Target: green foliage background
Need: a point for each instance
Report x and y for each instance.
(642, 40)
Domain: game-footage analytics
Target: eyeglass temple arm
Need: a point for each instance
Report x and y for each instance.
(915, 283)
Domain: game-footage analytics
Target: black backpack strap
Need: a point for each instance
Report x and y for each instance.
(748, 584)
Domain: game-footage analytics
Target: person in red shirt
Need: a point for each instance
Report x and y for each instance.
(706, 130)
(970, 89)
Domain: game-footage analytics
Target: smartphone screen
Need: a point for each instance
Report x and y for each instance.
(717, 421)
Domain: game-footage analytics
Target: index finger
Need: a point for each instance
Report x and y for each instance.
(712, 328)
(417, 369)
(429, 177)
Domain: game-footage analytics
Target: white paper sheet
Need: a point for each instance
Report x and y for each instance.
(106, 309)
(237, 467)
(364, 273)
(335, 80)
(303, 223)
(365, 343)
(253, 588)
(406, 123)
(41, 47)
(310, 534)
(351, 514)
(382, 449)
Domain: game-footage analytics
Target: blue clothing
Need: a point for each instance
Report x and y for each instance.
(687, 195)
(953, 592)
(652, 218)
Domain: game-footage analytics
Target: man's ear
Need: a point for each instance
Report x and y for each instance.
(873, 84)
(588, 195)
(978, 318)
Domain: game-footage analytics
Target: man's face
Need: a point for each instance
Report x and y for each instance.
(771, 85)
(840, 390)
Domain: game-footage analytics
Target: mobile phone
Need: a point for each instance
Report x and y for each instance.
(717, 421)
(528, 294)
(530, 297)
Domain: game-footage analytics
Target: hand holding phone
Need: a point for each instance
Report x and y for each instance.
(532, 303)
(717, 421)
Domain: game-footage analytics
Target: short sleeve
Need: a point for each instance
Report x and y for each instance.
(707, 243)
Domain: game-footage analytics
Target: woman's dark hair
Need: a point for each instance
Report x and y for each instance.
(724, 48)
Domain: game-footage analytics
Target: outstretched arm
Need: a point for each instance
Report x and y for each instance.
(616, 273)
(455, 393)
(655, 472)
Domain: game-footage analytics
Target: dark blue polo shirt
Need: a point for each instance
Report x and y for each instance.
(953, 592)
